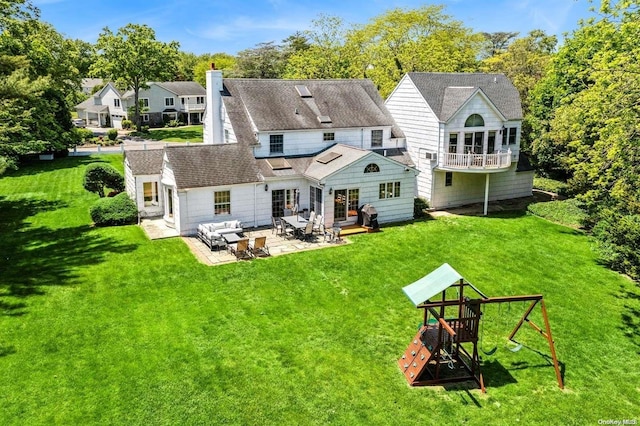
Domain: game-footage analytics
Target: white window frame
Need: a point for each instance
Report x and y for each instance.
(381, 142)
(222, 207)
(116, 102)
(169, 102)
(154, 201)
(143, 102)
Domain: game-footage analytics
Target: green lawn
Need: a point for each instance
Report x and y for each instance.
(176, 134)
(102, 326)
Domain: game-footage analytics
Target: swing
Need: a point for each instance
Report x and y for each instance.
(492, 350)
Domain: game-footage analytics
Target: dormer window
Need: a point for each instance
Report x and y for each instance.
(474, 120)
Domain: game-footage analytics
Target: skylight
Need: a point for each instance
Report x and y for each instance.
(278, 163)
(329, 157)
(303, 91)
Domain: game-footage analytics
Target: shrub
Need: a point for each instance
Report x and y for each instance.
(144, 129)
(619, 242)
(550, 185)
(119, 210)
(566, 212)
(419, 207)
(84, 134)
(127, 124)
(112, 134)
(99, 176)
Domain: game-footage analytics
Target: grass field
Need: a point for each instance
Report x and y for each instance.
(102, 326)
(176, 134)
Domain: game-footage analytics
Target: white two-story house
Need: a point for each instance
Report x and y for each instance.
(271, 146)
(463, 133)
(160, 103)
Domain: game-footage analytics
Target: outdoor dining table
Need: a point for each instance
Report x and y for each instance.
(298, 223)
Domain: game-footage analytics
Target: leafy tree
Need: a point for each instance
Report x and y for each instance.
(99, 176)
(133, 57)
(497, 42)
(423, 39)
(387, 47)
(324, 54)
(587, 124)
(223, 61)
(37, 73)
(185, 65)
(524, 61)
(266, 60)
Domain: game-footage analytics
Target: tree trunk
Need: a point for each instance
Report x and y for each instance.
(136, 94)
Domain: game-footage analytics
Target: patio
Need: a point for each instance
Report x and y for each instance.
(277, 245)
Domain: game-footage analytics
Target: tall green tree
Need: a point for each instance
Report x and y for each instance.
(587, 111)
(37, 73)
(387, 47)
(222, 61)
(324, 53)
(497, 43)
(407, 40)
(132, 57)
(524, 61)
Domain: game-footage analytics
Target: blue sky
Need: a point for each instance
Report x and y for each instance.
(230, 26)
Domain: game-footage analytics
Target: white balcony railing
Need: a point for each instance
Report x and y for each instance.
(501, 160)
(192, 106)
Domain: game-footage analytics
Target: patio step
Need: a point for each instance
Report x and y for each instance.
(353, 229)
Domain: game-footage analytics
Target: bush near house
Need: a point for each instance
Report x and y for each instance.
(550, 185)
(127, 124)
(112, 134)
(99, 176)
(84, 134)
(119, 210)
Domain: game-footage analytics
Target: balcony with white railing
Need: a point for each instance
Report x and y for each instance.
(476, 162)
(192, 106)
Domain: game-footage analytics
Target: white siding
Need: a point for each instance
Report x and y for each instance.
(421, 128)
(353, 177)
(129, 181)
(468, 188)
(311, 141)
(198, 206)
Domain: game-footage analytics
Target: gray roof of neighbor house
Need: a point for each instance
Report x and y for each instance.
(145, 162)
(279, 105)
(89, 105)
(447, 92)
(212, 165)
(178, 88)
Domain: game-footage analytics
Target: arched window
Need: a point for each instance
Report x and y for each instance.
(372, 168)
(474, 120)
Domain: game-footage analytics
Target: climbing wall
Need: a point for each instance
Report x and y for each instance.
(416, 356)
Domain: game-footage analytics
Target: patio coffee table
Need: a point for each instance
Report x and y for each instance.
(231, 239)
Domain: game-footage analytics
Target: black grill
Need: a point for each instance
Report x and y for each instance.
(368, 216)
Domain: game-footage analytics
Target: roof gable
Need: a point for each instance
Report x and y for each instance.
(339, 157)
(447, 92)
(144, 162)
(198, 166)
(456, 98)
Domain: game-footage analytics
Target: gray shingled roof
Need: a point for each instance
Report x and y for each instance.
(145, 162)
(183, 88)
(275, 105)
(447, 92)
(347, 154)
(212, 165)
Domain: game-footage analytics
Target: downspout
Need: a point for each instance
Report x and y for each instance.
(362, 137)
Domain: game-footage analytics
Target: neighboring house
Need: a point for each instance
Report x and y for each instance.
(87, 84)
(160, 102)
(463, 133)
(327, 146)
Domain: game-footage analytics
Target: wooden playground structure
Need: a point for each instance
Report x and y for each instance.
(445, 348)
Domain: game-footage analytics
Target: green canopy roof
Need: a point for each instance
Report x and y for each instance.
(432, 284)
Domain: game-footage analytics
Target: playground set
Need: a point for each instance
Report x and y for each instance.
(445, 349)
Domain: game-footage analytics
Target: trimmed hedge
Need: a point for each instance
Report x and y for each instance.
(118, 210)
(112, 134)
(99, 176)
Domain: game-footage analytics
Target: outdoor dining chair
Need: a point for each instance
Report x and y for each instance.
(276, 226)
